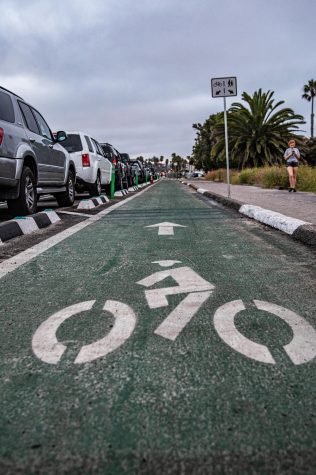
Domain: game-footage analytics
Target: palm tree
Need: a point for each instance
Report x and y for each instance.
(257, 132)
(309, 94)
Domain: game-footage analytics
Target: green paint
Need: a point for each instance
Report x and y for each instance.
(155, 406)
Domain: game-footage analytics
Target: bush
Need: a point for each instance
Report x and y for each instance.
(274, 177)
(267, 177)
(306, 178)
(248, 176)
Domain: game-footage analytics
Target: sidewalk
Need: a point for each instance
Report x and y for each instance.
(291, 206)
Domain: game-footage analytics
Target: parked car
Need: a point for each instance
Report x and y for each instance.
(120, 167)
(32, 160)
(130, 171)
(198, 174)
(139, 169)
(94, 170)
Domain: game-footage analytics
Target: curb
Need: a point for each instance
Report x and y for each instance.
(26, 225)
(93, 202)
(121, 193)
(300, 230)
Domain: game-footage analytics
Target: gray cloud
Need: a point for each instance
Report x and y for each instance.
(138, 73)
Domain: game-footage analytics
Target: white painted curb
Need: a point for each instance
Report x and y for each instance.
(121, 193)
(93, 202)
(26, 225)
(271, 218)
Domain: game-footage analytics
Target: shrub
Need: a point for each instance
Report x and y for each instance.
(306, 178)
(248, 176)
(274, 177)
(267, 177)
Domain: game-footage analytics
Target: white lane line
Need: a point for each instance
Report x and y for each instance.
(15, 262)
(74, 213)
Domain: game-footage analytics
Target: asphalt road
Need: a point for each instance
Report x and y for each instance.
(160, 350)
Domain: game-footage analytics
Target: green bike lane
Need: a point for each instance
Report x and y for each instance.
(197, 396)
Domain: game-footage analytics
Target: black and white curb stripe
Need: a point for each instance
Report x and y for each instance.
(132, 188)
(93, 202)
(298, 229)
(26, 225)
(120, 193)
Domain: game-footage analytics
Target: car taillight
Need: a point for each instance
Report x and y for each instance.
(114, 162)
(1, 135)
(85, 160)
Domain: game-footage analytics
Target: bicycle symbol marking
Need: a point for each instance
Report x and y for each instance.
(189, 282)
(48, 349)
(301, 349)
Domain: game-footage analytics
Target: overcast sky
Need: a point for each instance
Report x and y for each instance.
(136, 73)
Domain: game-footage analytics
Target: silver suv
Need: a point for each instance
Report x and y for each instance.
(32, 162)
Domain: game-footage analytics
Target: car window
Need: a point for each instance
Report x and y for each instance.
(72, 143)
(96, 146)
(44, 129)
(6, 108)
(107, 151)
(29, 118)
(89, 143)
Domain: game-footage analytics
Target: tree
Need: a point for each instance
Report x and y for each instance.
(177, 162)
(309, 151)
(204, 142)
(258, 132)
(161, 158)
(309, 94)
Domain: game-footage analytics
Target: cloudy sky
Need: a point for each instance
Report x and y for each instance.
(136, 73)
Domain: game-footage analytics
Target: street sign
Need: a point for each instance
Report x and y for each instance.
(224, 87)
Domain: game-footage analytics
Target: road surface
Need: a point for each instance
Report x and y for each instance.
(140, 349)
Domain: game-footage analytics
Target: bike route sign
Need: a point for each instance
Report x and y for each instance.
(224, 87)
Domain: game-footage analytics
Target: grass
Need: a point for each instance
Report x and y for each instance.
(267, 177)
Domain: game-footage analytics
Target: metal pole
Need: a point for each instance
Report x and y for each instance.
(226, 148)
(112, 182)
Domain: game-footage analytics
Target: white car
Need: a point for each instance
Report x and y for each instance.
(198, 174)
(94, 170)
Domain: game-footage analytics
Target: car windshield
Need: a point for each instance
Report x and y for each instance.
(72, 143)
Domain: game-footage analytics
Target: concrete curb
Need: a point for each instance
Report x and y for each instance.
(120, 193)
(299, 230)
(93, 202)
(26, 225)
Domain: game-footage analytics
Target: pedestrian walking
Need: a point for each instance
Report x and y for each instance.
(292, 155)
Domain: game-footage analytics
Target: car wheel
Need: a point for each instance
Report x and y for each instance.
(67, 198)
(26, 203)
(96, 188)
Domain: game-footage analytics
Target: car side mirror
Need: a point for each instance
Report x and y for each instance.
(61, 136)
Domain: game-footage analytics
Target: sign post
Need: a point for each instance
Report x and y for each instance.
(225, 87)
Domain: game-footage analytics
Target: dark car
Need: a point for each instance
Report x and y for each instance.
(131, 175)
(114, 156)
(139, 169)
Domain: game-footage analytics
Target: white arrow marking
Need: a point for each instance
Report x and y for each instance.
(166, 229)
(166, 263)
